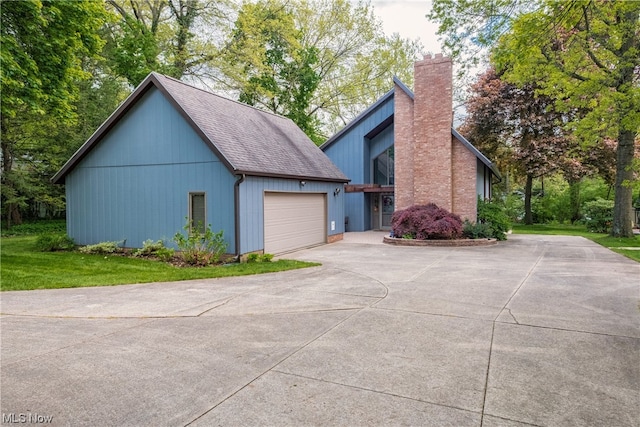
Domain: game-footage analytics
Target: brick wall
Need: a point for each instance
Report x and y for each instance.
(465, 197)
(431, 166)
(403, 144)
(432, 132)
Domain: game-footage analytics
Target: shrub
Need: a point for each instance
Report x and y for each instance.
(165, 254)
(425, 222)
(200, 246)
(254, 257)
(54, 242)
(149, 247)
(477, 230)
(100, 248)
(598, 215)
(494, 219)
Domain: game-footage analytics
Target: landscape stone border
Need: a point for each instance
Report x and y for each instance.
(450, 243)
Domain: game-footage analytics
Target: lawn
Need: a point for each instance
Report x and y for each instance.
(613, 243)
(22, 267)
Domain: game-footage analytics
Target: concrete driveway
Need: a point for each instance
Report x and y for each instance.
(538, 330)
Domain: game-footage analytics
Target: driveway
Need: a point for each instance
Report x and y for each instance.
(538, 330)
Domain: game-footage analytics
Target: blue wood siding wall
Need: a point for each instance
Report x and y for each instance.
(354, 155)
(134, 184)
(252, 206)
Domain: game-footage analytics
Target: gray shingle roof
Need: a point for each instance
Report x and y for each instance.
(248, 140)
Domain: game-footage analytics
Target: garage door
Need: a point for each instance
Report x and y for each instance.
(293, 221)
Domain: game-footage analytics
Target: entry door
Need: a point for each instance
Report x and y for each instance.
(388, 204)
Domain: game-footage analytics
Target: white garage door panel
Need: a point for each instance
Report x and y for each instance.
(293, 220)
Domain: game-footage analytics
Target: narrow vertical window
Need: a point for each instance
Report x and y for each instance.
(197, 212)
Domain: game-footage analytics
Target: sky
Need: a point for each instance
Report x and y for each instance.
(407, 18)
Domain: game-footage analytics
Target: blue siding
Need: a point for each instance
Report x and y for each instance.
(134, 184)
(252, 203)
(353, 153)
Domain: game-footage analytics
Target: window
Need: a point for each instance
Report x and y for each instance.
(383, 168)
(197, 211)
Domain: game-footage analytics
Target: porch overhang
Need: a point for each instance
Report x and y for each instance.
(368, 188)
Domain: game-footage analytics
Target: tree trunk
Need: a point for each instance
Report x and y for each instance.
(623, 210)
(574, 201)
(528, 215)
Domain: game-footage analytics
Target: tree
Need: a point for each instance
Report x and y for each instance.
(517, 127)
(338, 58)
(271, 67)
(160, 35)
(41, 46)
(586, 55)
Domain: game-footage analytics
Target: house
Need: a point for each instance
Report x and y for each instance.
(403, 151)
(173, 152)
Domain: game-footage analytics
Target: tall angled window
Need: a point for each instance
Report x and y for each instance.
(383, 168)
(197, 212)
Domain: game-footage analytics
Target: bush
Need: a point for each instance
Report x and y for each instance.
(495, 222)
(54, 242)
(425, 222)
(149, 247)
(477, 230)
(50, 226)
(200, 246)
(254, 257)
(100, 248)
(165, 254)
(598, 215)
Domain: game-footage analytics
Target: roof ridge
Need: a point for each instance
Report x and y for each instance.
(220, 96)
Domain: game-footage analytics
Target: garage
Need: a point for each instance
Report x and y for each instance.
(293, 221)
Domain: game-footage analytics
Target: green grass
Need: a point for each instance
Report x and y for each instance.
(22, 267)
(613, 243)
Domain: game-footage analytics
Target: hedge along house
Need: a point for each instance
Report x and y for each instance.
(403, 151)
(172, 151)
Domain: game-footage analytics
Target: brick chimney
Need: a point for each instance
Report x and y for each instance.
(423, 164)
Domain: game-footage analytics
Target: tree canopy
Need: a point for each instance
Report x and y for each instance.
(41, 44)
(583, 54)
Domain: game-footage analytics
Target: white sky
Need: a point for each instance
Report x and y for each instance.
(407, 18)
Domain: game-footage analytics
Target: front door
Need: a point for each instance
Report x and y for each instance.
(387, 204)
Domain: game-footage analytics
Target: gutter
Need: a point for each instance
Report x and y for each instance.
(236, 203)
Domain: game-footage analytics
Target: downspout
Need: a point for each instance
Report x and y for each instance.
(236, 203)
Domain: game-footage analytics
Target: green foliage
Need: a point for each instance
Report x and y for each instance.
(150, 247)
(199, 246)
(598, 215)
(54, 242)
(476, 230)
(101, 248)
(494, 217)
(255, 257)
(275, 71)
(24, 268)
(52, 226)
(165, 254)
(42, 45)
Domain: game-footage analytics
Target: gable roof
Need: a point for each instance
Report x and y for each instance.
(389, 95)
(247, 140)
